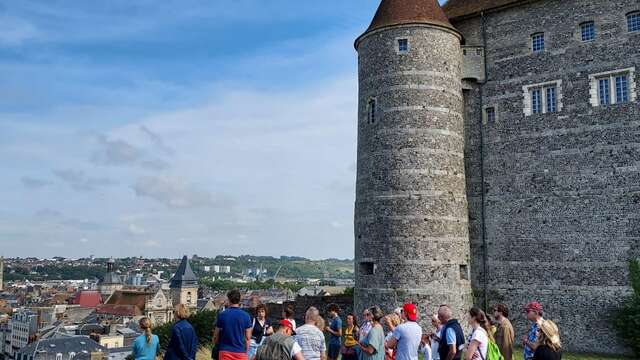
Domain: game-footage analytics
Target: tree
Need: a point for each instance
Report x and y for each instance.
(203, 323)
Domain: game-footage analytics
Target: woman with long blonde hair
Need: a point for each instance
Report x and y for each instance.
(549, 345)
(147, 345)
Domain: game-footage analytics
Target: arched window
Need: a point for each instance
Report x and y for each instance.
(371, 115)
(633, 21)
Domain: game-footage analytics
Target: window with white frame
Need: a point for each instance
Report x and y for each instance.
(543, 98)
(371, 111)
(588, 31)
(613, 87)
(633, 21)
(537, 42)
(403, 46)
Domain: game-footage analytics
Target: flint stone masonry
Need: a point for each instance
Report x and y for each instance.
(542, 207)
(561, 191)
(411, 217)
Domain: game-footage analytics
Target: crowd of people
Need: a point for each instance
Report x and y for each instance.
(380, 336)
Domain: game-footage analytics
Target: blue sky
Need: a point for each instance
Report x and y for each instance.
(178, 127)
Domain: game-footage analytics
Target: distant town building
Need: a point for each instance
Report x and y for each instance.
(184, 285)
(23, 327)
(111, 281)
(64, 348)
(124, 305)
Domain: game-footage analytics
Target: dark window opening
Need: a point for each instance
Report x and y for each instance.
(464, 272)
(367, 268)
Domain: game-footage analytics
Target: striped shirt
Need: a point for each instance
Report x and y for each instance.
(311, 340)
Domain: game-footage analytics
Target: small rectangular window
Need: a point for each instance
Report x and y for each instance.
(603, 91)
(367, 268)
(490, 115)
(622, 89)
(464, 272)
(551, 99)
(403, 45)
(633, 21)
(588, 31)
(536, 101)
(537, 42)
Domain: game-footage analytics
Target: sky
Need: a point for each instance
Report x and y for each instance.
(147, 128)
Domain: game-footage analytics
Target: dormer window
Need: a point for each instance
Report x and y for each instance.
(403, 46)
(537, 42)
(633, 21)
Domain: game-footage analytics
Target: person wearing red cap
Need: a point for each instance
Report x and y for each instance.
(281, 345)
(407, 336)
(533, 312)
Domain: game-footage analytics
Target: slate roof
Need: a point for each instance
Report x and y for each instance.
(64, 345)
(459, 8)
(184, 276)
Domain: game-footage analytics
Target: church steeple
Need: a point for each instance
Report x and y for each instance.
(184, 285)
(184, 276)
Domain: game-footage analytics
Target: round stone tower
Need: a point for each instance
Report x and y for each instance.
(411, 219)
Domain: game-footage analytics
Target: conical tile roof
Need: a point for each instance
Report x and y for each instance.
(397, 12)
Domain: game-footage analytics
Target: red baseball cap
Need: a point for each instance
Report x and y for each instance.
(410, 311)
(533, 306)
(286, 323)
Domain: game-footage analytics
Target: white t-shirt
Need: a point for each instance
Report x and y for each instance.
(295, 349)
(481, 336)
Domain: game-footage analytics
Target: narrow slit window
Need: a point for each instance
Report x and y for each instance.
(372, 111)
(464, 272)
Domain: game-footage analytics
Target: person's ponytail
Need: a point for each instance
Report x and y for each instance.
(145, 324)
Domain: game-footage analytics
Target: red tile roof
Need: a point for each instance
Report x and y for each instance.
(396, 12)
(460, 8)
(130, 297)
(87, 299)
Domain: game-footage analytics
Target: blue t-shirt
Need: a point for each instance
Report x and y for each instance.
(145, 351)
(408, 336)
(450, 336)
(335, 325)
(233, 322)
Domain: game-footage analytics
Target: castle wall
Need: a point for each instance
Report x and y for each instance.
(562, 189)
(411, 219)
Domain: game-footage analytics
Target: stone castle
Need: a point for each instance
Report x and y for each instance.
(499, 159)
